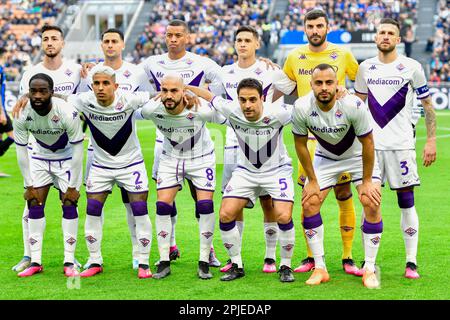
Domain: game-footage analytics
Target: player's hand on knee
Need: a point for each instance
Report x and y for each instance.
(32, 197)
(71, 196)
(369, 194)
(310, 190)
(19, 106)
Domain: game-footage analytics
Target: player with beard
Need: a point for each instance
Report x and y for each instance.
(66, 78)
(345, 144)
(388, 82)
(298, 67)
(56, 160)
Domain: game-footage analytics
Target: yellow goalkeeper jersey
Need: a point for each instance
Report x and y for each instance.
(301, 61)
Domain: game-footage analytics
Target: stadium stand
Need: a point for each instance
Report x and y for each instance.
(440, 57)
(19, 31)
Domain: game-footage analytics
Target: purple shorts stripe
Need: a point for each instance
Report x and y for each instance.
(108, 168)
(136, 192)
(232, 147)
(159, 141)
(99, 192)
(51, 160)
(22, 145)
(282, 200)
(44, 186)
(412, 185)
(179, 186)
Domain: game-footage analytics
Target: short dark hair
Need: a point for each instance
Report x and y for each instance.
(252, 84)
(315, 14)
(44, 77)
(179, 23)
(390, 21)
(247, 29)
(50, 27)
(324, 66)
(113, 30)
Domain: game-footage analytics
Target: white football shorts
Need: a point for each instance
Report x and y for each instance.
(398, 168)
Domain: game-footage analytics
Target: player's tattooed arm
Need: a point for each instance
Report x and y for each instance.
(429, 151)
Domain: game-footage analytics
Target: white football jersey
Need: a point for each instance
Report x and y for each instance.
(261, 146)
(53, 132)
(390, 93)
(336, 130)
(113, 128)
(195, 70)
(233, 74)
(66, 79)
(130, 78)
(185, 134)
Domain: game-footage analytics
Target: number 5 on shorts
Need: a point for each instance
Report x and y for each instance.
(283, 183)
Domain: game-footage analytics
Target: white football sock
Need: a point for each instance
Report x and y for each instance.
(93, 230)
(232, 243)
(36, 229)
(410, 229)
(287, 242)
(206, 226)
(315, 241)
(163, 230)
(173, 241)
(25, 232)
(144, 238)
(271, 236)
(70, 232)
(132, 227)
(371, 245)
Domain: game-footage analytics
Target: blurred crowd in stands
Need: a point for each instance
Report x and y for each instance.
(20, 22)
(439, 45)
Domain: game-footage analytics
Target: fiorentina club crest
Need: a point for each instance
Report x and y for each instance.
(400, 67)
(228, 245)
(71, 241)
(231, 71)
(68, 72)
(207, 234)
(32, 241)
(144, 241)
(410, 231)
(266, 120)
(91, 239)
(127, 74)
(258, 71)
(270, 232)
(288, 247)
(119, 106)
(375, 240)
(189, 61)
(310, 233)
(190, 116)
(158, 181)
(333, 55)
(55, 118)
(358, 104)
(338, 114)
(163, 234)
(228, 188)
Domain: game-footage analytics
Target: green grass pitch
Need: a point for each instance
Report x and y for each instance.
(119, 281)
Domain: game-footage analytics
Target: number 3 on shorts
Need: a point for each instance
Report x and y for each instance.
(403, 165)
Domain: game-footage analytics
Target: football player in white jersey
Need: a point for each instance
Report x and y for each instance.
(388, 82)
(345, 144)
(248, 66)
(56, 159)
(66, 78)
(117, 160)
(188, 152)
(130, 78)
(195, 70)
(263, 167)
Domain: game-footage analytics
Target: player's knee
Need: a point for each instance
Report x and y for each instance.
(36, 212)
(163, 208)
(94, 208)
(226, 215)
(284, 218)
(405, 199)
(139, 208)
(69, 211)
(204, 207)
(312, 205)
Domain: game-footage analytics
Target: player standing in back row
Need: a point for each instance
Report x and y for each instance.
(298, 67)
(196, 71)
(388, 82)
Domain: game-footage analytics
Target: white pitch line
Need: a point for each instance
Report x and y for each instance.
(437, 137)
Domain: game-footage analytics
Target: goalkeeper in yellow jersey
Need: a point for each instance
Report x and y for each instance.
(298, 67)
